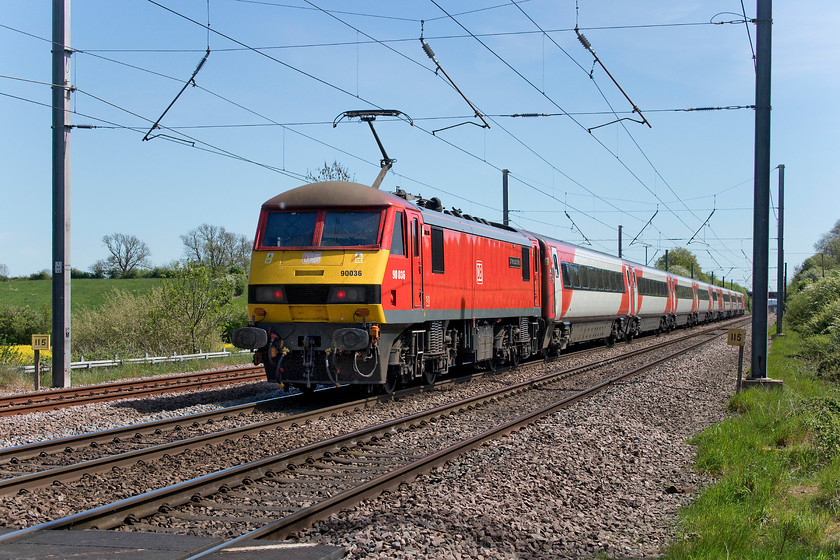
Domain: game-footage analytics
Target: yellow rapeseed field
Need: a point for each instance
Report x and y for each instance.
(26, 355)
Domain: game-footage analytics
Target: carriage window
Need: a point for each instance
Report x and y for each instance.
(397, 240)
(347, 229)
(437, 250)
(415, 232)
(289, 229)
(574, 277)
(585, 281)
(526, 263)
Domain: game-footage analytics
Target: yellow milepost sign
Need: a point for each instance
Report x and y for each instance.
(40, 342)
(737, 337)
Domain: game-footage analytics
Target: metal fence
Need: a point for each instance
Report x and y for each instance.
(145, 360)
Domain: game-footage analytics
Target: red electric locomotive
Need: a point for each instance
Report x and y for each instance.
(352, 285)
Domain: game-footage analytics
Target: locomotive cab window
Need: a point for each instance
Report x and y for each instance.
(349, 229)
(397, 238)
(321, 229)
(289, 229)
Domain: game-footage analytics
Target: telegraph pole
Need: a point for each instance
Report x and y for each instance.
(61, 193)
(780, 273)
(761, 193)
(505, 210)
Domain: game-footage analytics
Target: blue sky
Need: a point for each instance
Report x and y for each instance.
(271, 112)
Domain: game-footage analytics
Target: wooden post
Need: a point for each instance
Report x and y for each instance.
(37, 370)
(738, 337)
(39, 342)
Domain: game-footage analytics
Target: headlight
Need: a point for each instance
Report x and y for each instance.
(347, 294)
(269, 294)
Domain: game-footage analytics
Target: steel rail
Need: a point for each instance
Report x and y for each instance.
(111, 515)
(75, 471)
(321, 510)
(60, 398)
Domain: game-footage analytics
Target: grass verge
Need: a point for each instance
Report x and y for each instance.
(776, 471)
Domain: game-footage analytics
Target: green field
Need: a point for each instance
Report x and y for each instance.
(85, 293)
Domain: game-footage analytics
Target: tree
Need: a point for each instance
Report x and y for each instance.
(821, 264)
(4, 272)
(829, 243)
(128, 253)
(193, 307)
(680, 257)
(216, 248)
(334, 172)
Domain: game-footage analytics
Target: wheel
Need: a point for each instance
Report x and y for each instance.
(492, 364)
(273, 366)
(514, 356)
(610, 341)
(429, 377)
(552, 352)
(391, 382)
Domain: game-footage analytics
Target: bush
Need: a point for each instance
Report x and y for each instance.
(828, 367)
(193, 307)
(814, 310)
(18, 324)
(76, 273)
(822, 415)
(187, 313)
(121, 326)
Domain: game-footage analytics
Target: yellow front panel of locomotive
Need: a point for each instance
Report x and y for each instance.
(317, 267)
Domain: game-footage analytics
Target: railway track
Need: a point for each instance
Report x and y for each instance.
(66, 459)
(72, 396)
(307, 483)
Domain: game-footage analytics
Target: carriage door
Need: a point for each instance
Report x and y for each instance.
(558, 285)
(631, 283)
(415, 236)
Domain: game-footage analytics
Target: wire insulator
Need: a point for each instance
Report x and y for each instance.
(585, 42)
(428, 50)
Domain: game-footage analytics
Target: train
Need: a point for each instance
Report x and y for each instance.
(352, 285)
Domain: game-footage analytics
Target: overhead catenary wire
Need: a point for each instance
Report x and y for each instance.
(176, 128)
(501, 127)
(633, 139)
(383, 41)
(621, 162)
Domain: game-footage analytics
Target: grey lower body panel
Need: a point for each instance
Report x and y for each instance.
(593, 330)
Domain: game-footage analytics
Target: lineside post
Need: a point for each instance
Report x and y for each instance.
(761, 193)
(619, 241)
(61, 193)
(505, 211)
(738, 337)
(780, 273)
